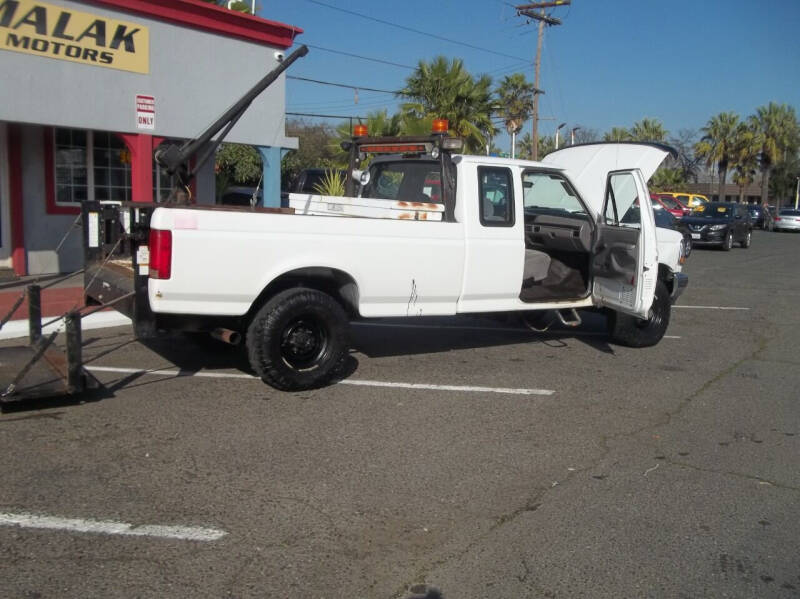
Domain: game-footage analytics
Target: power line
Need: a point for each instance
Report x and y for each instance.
(417, 31)
(378, 60)
(356, 87)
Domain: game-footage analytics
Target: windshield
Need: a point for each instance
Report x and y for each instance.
(663, 219)
(788, 212)
(550, 193)
(712, 210)
(669, 202)
(412, 181)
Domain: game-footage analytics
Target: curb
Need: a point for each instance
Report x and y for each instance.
(15, 329)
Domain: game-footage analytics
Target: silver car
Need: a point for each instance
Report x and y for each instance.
(788, 219)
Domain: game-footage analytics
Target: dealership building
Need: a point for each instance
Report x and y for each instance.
(90, 90)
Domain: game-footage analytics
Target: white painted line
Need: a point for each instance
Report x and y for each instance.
(184, 533)
(712, 307)
(467, 388)
(357, 382)
(99, 320)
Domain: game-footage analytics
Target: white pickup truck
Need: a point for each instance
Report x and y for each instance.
(575, 231)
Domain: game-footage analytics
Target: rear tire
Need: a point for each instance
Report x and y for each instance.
(298, 340)
(635, 332)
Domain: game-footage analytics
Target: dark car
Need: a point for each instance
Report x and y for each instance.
(242, 196)
(309, 178)
(761, 216)
(666, 220)
(720, 223)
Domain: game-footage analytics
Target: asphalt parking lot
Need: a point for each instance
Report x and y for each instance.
(478, 457)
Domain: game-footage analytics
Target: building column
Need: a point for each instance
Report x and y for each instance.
(141, 149)
(18, 255)
(271, 181)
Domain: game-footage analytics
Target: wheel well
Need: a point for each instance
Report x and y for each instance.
(336, 283)
(666, 275)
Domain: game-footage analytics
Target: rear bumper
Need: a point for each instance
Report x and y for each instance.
(679, 282)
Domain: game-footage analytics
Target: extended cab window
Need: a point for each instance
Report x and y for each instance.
(496, 196)
(549, 193)
(412, 181)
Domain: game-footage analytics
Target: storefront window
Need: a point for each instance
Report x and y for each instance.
(71, 166)
(91, 165)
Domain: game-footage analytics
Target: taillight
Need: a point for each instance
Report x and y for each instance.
(160, 254)
(777, 218)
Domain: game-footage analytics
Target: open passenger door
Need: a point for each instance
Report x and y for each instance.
(611, 178)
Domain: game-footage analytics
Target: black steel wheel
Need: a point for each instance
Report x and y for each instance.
(636, 332)
(747, 240)
(298, 339)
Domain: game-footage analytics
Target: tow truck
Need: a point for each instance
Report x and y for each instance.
(423, 230)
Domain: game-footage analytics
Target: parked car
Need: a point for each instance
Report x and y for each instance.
(720, 223)
(788, 219)
(666, 220)
(309, 178)
(669, 203)
(761, 216)
(242, 196)
(690, 200)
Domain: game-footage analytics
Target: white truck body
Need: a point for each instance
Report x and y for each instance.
(222, 261)
(536, 238)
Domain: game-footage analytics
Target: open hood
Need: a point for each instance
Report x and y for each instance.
(588, 165)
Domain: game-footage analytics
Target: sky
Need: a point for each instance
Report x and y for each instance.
(611, 62)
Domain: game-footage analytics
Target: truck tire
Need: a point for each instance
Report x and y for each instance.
(635, 332)
(298, 340)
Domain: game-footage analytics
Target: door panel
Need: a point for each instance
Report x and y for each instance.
(618, 261)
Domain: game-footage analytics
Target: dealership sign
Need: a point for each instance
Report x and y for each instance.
(56, 32)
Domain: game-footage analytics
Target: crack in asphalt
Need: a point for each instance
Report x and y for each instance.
(732, 473)
(536, 501)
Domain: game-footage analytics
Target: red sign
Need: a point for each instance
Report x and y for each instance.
(145, 112)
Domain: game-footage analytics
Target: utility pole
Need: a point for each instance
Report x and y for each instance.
(536, 12)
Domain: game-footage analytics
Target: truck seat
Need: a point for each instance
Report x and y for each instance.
(537, 265)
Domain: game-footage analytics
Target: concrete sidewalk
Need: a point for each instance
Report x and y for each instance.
(56, 300)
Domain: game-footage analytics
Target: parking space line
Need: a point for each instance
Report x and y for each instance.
(712, 307)
(108, 527)
(355, 382)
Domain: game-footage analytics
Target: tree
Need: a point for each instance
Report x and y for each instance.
(237, 164)
(444, 89)
(315, 150)
(514, 104)
(717, 145)
(648, 130)
(746, 147)
(687, 160)
(618, 134)
(238, 6)
(667, 179)
(778, 131)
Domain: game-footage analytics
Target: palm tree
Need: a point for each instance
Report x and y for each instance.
(525, 145)
(777, 126)
(515, 104)
(444, 89)
(618, 134)
(648, 130)
(746, 147)
(717, 145)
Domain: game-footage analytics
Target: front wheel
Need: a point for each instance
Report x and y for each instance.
(727, 244)
(636, 332)
(298, 340)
